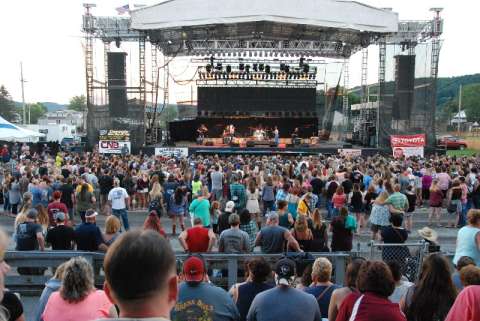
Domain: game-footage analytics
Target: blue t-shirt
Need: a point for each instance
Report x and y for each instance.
(324, 300)
(88, 237)
(204, 302)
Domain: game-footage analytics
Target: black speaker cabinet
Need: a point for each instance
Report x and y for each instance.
(117, 82)
(403, 98)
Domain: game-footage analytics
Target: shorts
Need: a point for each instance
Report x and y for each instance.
(408, 214)
(376, 228)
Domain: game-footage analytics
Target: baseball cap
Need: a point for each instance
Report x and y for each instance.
(285, 270)
(229, 206)
(59, 216)
(32, 213)
(193, 269)
(90, 213)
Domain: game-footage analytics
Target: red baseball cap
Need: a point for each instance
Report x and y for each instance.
(193, 269)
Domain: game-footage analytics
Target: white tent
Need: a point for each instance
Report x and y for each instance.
(460, 117)
(11, 132)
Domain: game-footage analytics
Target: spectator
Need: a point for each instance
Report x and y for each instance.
(342, 235)
(297, 305)
(273, 238)
(435, 202)
(357, 206)
(29, 237)
(88, 236)
(78, 299)
(380, 216)
(268, 196)
(118, 201)
(237, 193)
(466, 305)
(252, 204)
(302, 233)
(42, 218)
(217, 183)
(412, 200)
(285, 219)
(200, 207)
(105, 181)
(462, 262)
(234, 240)
(68, 196)
(339, 200)
(398, 202)
(468, 238)
(152, 222)
(85, 200)
(395, 234)
(454, 204)
(223, 218)
(303, 205)
(112, 230)
(339, 295)
(322, 287)
(56, 206)
(401, 285)
(433, 294)
(61, 236)
(249, 226)
(177, 209)
(258, 272)
(470, 275)
(376, 284)
(140, 276)
(319, 242)
(431, 237)
(215, 213)
(197, 239)
(198, 299)
(51, 286)
(14, 196)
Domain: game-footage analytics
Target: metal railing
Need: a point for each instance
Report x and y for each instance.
(225, 269)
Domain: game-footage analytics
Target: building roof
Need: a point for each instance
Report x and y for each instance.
(337, 14)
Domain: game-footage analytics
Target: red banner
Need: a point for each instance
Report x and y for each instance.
(407, 140)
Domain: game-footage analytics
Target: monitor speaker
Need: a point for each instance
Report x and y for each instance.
(403, 98)
(117, 84)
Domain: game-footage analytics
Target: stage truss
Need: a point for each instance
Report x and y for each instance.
(117, 29)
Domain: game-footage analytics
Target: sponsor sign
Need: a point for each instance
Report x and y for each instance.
(113, 134)
(114, 147)
(349, 152)
(171, 151)
(399, 152)
(407, 140)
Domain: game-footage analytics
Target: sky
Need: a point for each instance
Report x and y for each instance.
(46, 36)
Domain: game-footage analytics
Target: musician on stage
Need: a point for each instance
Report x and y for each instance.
(231, 130)
(295, 136)
(202, 131)
(276, 136)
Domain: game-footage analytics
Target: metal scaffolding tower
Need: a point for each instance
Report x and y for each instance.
(364, 75)
(345, 105)
(382, 55)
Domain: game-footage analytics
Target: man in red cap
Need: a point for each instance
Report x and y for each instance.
(54, 207)
(198, 299)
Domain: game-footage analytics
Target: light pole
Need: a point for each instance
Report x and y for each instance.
(23, 81)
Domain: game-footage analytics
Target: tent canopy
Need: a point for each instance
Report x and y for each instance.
(11, 132)
(338, 14)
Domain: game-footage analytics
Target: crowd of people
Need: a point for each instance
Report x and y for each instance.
(243, 204)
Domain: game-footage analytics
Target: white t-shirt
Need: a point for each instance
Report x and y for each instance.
(117, 196)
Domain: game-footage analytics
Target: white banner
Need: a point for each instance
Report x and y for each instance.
(349, 152)
(407, 152)
(114, 147)
(171, 151)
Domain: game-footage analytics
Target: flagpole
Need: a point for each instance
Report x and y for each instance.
(459, 109)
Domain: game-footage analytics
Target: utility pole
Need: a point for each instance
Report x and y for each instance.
(459, 109)
(23, 81)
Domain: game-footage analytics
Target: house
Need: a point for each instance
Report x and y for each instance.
(62, 117)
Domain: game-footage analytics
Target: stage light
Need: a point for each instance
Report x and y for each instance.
(211, 60)
(282, 67)
(261, 67)
(209, 68)
(219, 66)
(229, 69)
(267, 69)
(118, 42)
(255, 67)
(287, 69)
(241, 67)
(301, 61)
(247, 68)
(306, 68)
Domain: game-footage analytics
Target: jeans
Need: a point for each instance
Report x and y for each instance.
(268, 206)
(329, 205)
(123, 215)
(217, 193)
(6, 203)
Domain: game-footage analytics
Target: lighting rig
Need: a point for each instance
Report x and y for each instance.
(255, 70)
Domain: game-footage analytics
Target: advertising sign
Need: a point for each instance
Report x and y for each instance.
(349, 152)
(398, 152)
(114, 147)
(407, 140)
(171, 151)
(114, 134)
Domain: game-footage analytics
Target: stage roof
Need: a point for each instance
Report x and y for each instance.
(316, 13)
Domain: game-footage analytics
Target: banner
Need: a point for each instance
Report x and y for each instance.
(171, 151)
(114, 134)
(407, 140)
(399, 152)
(348, 152)
(114, 147)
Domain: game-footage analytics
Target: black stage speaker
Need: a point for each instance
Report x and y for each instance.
(403, 98)
(117, 91)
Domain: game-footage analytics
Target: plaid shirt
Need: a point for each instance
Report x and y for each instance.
(251, 230)
(398, 201)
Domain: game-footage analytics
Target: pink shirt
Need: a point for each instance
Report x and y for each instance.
(95, 306)
(443, 181)
(466, 306)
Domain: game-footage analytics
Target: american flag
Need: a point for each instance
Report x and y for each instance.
(123, 9)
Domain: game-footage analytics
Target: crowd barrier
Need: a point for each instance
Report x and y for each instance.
(224, 269)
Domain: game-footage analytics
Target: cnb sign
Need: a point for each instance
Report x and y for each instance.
(113, 147)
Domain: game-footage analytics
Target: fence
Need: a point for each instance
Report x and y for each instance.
(408, 255)
(226, 269)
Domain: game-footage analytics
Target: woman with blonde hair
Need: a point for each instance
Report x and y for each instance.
(379, 218)
(22, 215)
(42, 218)
(302, 233)
(51, 286)
(319, 242)
(252, 201)
(112, 230)
(78, 300)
